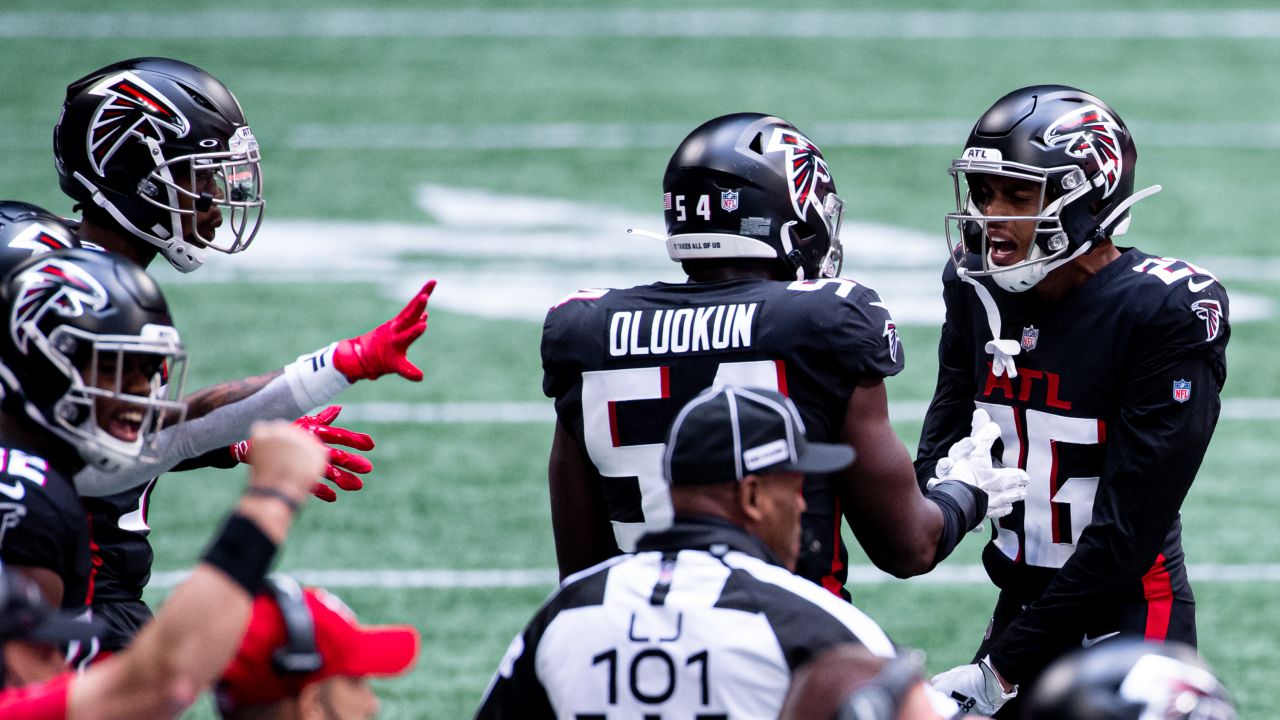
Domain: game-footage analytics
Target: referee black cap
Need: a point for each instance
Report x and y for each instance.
(727, 433)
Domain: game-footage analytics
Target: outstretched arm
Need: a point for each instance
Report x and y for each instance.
(219, 415)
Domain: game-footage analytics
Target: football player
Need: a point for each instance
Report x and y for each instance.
(754, 219)
(160, 161)
(1102, 366)
(91, 367)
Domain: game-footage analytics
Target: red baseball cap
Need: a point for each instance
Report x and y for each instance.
(346, 649)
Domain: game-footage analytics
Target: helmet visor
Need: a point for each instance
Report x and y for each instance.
(833, 218)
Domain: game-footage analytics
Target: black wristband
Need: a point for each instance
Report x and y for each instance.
(243, 552)
(963, 509)
(280, 495)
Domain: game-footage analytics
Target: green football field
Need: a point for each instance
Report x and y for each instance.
(505, 147)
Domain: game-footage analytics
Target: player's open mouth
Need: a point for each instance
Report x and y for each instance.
(125, 424)
(1003, 251)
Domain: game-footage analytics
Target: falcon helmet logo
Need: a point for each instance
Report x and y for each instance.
(52, 286)
(130, 108)
(805, 169)
(1091, 133)
(1210, 311)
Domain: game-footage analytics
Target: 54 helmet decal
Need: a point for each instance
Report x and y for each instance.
(91, 355)
(777, 199)
(160, 150)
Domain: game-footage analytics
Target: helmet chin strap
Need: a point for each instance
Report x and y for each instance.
(1024, 278)
(788, 250)
(1002, 351)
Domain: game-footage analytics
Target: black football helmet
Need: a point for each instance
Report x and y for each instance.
(1130, 679)
(1080, 153)
(150, 141)
(90, 354)
(27, 230)
(753, 186)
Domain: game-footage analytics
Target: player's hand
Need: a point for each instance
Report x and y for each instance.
(969, 461)
(341, 465)
(382, 350)
(976, 688)
(285, 459)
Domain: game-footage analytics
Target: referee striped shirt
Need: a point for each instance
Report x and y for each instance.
(701, 623)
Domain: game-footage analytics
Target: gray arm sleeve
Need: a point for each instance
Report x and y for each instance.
(219, 428)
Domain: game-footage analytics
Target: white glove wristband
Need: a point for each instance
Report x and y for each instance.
(313, 379)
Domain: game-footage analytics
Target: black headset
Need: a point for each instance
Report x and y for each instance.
(882, 698)
(299, 654)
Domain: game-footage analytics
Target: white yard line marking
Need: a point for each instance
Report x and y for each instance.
(643, 22)
(1233, 409)
(546, 578)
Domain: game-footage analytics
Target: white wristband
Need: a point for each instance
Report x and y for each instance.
(313, 379)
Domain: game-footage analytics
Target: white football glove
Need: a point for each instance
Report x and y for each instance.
(969, 461)
(974, 687)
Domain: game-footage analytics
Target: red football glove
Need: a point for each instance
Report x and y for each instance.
(340, 461)
(382, 350)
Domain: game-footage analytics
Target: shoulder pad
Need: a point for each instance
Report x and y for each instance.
(583, 294)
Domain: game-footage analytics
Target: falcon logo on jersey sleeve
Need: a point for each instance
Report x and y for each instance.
(130, 108)
(52, 286)
(11, 515)
(891, 333)
(1091, 133)
(1210, 311)
(805, 168)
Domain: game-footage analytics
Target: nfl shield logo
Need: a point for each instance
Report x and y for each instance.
(1030, 336)
(1181, 390)
(729, 200)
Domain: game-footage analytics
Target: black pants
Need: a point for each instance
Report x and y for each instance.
(1160, 616)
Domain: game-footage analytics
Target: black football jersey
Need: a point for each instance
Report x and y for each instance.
(120, 533)
(621, 363)
(1115, 400)
(42, 523)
